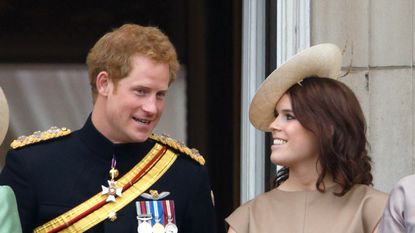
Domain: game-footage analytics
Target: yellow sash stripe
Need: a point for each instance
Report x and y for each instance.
(130, 194)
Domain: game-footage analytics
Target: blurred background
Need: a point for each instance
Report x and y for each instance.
(43, 47)
(226, 49)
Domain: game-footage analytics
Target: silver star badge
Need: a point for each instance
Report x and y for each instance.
(112, 191)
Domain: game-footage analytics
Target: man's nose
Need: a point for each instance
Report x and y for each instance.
(150, 105)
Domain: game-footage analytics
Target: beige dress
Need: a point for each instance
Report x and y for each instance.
(358, 211)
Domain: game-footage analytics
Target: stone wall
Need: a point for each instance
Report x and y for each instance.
(378, 37)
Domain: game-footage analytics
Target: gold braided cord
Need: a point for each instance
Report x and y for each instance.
(39, 136)
(128, 196)
(192, 153)
(73, 213)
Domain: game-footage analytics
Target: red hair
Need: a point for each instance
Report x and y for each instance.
(112, 52)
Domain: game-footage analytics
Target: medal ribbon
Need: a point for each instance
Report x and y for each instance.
(156, 212)
(148, 211)
(170, 211)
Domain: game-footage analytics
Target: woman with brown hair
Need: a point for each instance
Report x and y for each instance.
(319, 137)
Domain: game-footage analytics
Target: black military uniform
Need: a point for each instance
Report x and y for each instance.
(51, 177)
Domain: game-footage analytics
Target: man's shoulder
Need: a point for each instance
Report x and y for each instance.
(41, 139)
(180, 148)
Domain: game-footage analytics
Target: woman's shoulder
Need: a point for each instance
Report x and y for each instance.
(368, 191)
(274, 198)
(407, 182)
(260, 200)
(5, 191)
(266, 197)
(368, 198)
(367, 195)
(404, 188)
(261, 207)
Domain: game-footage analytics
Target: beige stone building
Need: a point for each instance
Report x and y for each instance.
(378, 41)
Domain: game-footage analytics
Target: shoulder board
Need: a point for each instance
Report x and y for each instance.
(39, 136)
(192, 153)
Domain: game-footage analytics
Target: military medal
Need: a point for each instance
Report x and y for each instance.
(157, 227)
(112, 190)
(144, 218)
(170, 226)
(144, 227)
(161, 213)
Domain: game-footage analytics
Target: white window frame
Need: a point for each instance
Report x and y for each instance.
(293, 35)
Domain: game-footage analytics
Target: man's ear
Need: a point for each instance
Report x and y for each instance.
(103, 83)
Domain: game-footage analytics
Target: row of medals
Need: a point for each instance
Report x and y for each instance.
(144, 226)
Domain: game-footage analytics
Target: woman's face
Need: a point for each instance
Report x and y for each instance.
(293, 145)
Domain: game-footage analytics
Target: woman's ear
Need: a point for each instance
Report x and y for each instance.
(103, 83)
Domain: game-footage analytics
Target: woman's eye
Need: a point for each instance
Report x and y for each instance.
(290, 117)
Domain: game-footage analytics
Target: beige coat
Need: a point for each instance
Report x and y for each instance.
(358, 211)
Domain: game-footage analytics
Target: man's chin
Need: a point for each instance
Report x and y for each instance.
(141, 137)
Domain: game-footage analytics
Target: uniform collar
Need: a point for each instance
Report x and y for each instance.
(105, 149)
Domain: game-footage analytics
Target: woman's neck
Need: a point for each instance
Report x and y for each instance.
(299, 180)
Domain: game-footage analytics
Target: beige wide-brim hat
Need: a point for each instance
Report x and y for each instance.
(322, 60)
(4, 115)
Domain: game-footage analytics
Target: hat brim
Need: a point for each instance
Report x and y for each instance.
(323, 60)
(4, 116)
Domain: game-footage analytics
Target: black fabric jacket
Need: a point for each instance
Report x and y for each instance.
(51, 177)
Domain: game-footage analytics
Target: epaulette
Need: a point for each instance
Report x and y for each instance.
(192, 153)
(39, 136)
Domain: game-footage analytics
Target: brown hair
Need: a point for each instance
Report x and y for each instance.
(330, 110)
(113, 51)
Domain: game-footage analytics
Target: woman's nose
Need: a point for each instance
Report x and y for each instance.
(275, 124)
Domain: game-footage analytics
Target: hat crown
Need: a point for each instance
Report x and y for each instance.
(322, 60)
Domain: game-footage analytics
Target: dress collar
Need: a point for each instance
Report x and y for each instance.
(105, 149)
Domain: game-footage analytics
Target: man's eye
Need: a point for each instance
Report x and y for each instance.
(140, 92)
(161, 95)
